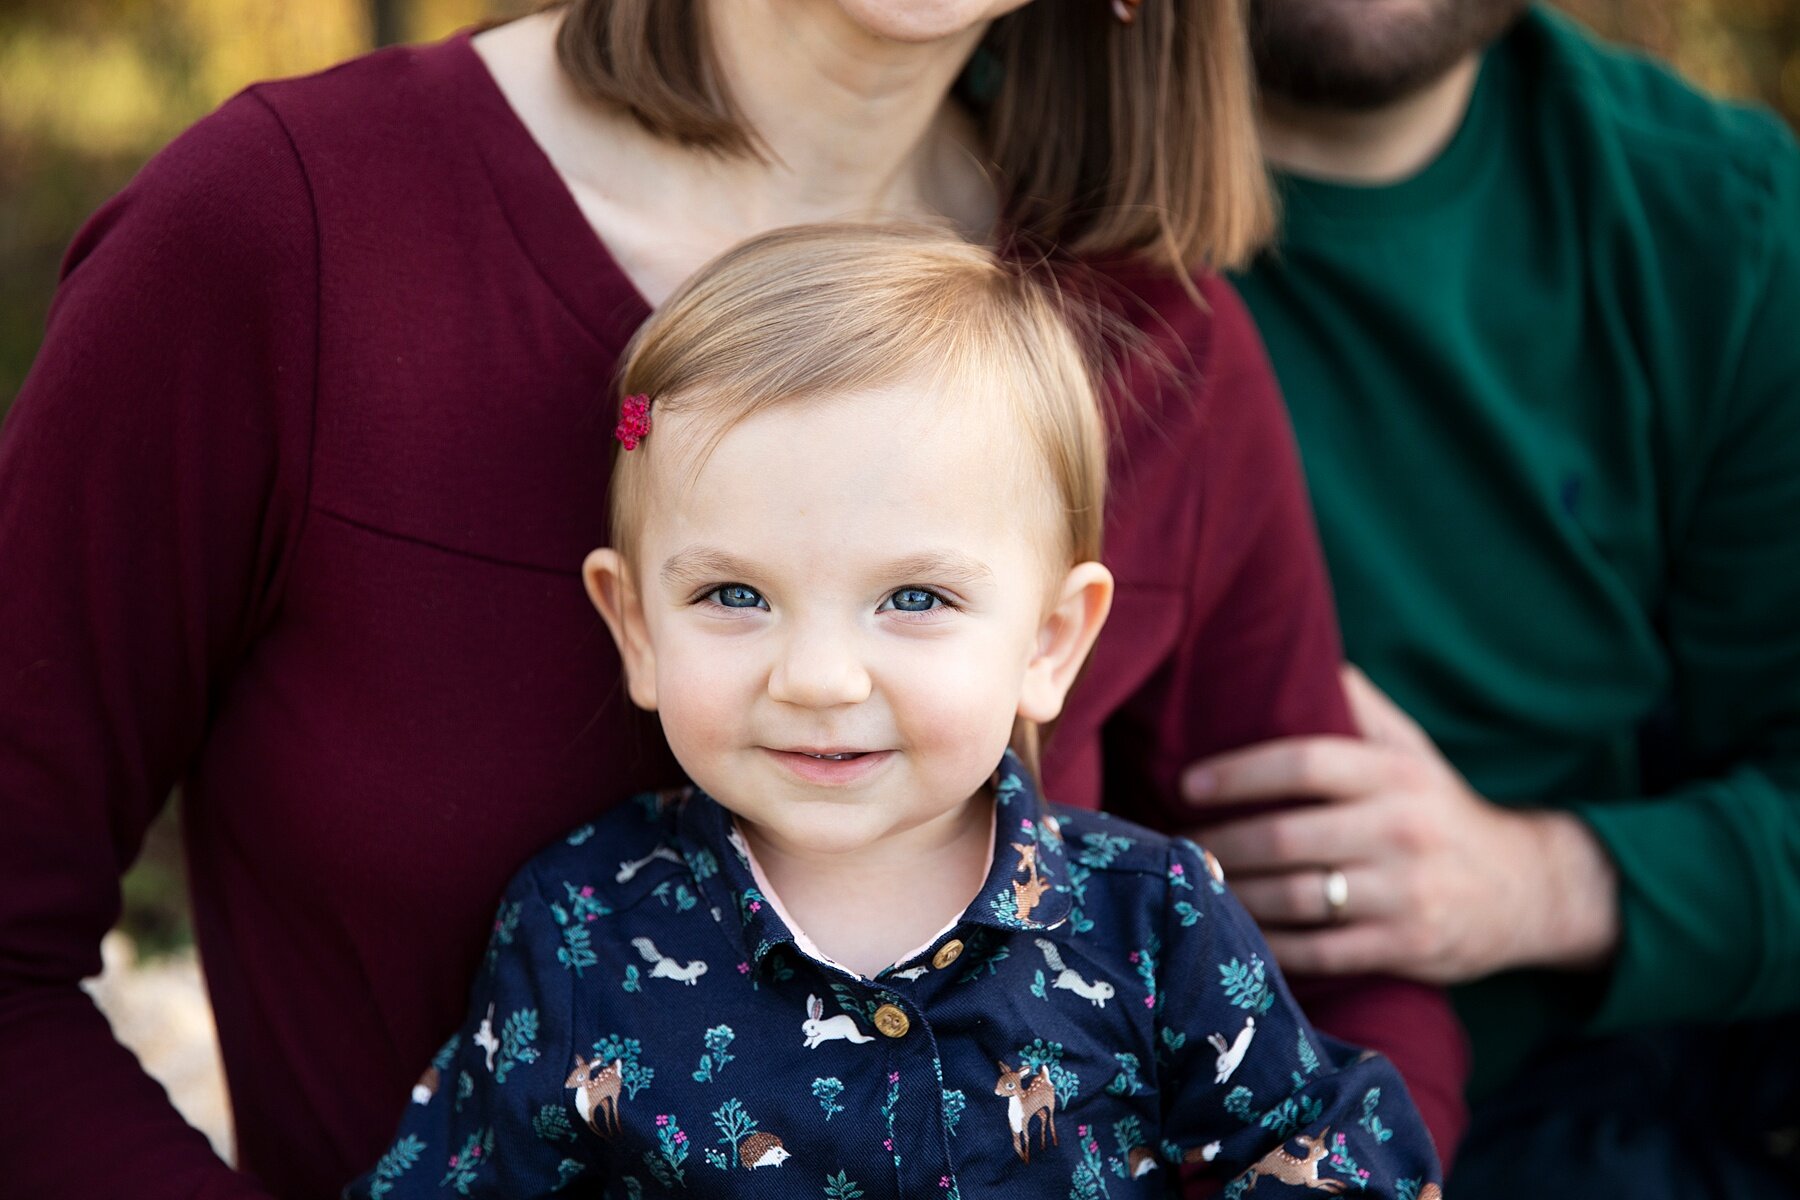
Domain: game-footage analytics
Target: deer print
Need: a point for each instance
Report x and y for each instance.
(1026, 894)
(427, 1086)
(1097, 992)
(1279, 1164)
(1028, 1097)
(668, 968)
(1230, 1056)
(597, 1093)
(628, 870)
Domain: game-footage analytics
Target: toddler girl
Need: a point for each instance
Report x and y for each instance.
(856, 525)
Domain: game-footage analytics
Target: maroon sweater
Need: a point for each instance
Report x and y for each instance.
(291, 512)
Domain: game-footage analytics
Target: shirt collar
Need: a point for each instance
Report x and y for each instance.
(1026, 886)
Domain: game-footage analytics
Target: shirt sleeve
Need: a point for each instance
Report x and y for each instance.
(1709, 872)
(493, 1114)
(1250, 1091)
(151, 480)
(1258, 659)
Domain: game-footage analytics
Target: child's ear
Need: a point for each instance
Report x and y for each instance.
(610, 587)
(1064, 639)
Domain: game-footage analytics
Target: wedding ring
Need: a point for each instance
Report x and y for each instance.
(1337, 895)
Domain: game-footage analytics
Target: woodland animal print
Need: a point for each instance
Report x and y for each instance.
(1098, 992)
(816, 1030)
(668, 968)
(597, 1088)
(1029, 1098)
(1098, 985)
(1230, 1056)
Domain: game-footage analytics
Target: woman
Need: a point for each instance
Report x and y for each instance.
(317, 440)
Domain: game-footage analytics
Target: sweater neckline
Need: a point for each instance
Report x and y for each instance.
(1458, 167)
(571, 257)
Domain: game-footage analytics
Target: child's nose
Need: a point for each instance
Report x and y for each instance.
(820, 668)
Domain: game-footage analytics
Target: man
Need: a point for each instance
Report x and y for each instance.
(1537, 313)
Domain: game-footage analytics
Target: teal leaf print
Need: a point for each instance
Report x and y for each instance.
(506, 925)
(1144, 959)
(665, 1162)
(826, 1091)
(634, 1076)
(1089, 1181)
(734, 1125)
(1237, 1103)
(1098, 850)
(581, 835)
(1369, 1120)
(1309, 1058)
(401, 1157)
(954, 1103)
(633, 981)
(1037, 986)
(465, 1087)
(1187, 912)
(1339, 1160)
(717, 1040)
(701, 863)
(552, 1124)
(1292, 1114)
(1125, 1083)
(680, 896)
(447, 1052)
(568, 1169)
(520, 1030)
(1245, 986)
(1040, 1055)
(467, 1162)
(841, 1187)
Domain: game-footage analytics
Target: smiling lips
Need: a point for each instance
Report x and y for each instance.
(830, 766)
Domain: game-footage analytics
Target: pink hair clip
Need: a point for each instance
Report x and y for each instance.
(634, 421)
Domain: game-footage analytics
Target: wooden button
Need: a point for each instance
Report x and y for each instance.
(947, 953)
(891, 1022)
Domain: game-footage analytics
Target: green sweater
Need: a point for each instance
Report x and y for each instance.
(1548, 397)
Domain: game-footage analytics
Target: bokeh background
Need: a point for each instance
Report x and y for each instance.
(89, 89)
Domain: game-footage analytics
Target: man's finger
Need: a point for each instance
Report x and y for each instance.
(1365, 946)
(1323, 768)
(1319, 837)
(1378, 717)
(1300, 899)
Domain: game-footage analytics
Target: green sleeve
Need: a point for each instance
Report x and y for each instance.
(1710, 873)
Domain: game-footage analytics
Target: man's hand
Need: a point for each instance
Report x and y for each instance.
(1443, 886)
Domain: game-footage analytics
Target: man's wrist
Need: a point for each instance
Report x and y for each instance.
(1577, 902)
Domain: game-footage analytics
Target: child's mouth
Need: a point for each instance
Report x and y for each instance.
(829, 765)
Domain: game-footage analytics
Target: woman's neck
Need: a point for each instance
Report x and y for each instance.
(867, 909)
(849, 125)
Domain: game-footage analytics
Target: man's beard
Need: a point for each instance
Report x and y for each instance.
(1364, 54)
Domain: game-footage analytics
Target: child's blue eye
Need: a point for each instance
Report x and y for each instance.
(736, 595)
(914, 600)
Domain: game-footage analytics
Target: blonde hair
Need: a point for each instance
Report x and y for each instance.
(1107, 139)
(836, 309)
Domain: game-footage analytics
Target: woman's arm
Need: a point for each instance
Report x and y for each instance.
(152, 480)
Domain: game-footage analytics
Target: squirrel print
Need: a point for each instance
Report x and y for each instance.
(1232, 1055)
(668, 968)
(484, 1037)
(817, 1030)
(1097, 992)
(629, 870)
(1028, 892)
(1280, 1165)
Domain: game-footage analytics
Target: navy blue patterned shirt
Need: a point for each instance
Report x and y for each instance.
(1104, 1011)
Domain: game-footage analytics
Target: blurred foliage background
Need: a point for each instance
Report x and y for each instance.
(89, 89)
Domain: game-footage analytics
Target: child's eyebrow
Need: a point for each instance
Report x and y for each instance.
(704, 564)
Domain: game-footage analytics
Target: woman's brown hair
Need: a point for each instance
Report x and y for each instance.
(1108, 139)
